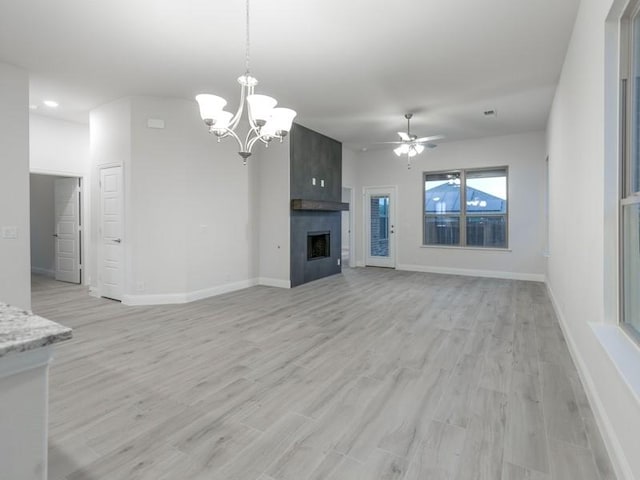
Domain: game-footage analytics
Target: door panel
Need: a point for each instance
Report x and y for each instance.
(380, 227)
(110, 277)
(67, 235)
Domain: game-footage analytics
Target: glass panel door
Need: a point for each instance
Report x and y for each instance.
(380, 227)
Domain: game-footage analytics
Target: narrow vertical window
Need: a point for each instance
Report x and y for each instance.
(630, 170)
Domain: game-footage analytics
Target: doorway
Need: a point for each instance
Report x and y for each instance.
(348, 241)
(380, 230)
(56, 227)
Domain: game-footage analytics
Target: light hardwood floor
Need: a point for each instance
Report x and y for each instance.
(372, 374)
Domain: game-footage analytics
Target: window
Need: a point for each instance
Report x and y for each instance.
(630, 170)
(480, 220)
(383, 215)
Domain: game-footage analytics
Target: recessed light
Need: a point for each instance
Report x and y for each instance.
(51, 103)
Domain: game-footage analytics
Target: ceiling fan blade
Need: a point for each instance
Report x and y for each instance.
(387, 143)
(404, 136)
(432, 138)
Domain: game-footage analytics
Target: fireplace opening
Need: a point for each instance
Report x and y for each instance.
(318, 245)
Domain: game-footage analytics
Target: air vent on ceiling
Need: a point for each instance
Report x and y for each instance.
(490, 113)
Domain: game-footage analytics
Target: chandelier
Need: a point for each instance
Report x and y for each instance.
(266, 122)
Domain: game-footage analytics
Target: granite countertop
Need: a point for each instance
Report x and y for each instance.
(21, 331)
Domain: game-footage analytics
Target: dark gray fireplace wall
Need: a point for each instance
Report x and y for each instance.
(303, 222)
(314, 155)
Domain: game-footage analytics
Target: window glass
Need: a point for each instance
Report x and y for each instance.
(631, 266)
(634, 160)
(442, 193)
(487, 231)
(630, 198)
(479, 221)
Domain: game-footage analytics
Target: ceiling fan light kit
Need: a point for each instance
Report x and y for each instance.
(410, 145)
(266, 121)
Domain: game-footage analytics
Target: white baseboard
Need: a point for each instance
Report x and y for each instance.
(360, 264)
(43, 271)
(532, 277)
(609, 436)
(93, 292)
(274, 282)
(186, 297)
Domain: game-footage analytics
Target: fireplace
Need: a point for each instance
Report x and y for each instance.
(318, 245)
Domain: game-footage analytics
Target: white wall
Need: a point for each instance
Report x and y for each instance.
(109, 145)
(524, 154)
(273, 210)
(43, 226)
(583, 222)
(15, 271)
(188, 202)
(58, 147)
(188, 232)
(349, 167)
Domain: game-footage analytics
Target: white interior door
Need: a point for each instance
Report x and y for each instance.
(380, 231)
(110, 276)
(67, 235)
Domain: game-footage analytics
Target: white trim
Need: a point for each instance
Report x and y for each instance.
(612, 443)
(359, 264)
(461, 247)
(186, 297)
(532, 277)
(57, 173)
(43, 271)
(623, 352)
(274, 282)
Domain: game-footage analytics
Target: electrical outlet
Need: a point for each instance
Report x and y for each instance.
(313, 181)
(338, 262)
(322, 183)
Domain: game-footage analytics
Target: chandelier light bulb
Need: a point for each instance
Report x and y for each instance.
(260, 108)
(282, 119)
(222, 123)
(210, 107)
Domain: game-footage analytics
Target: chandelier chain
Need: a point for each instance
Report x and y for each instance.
(248, 39)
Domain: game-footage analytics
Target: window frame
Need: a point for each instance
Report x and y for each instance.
(463, 215)
(627, 196)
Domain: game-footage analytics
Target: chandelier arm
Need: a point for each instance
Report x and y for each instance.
(236, 118)
(252, 142)
(228, 132)
(249, 140)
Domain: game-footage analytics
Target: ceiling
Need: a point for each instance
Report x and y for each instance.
(350, 68)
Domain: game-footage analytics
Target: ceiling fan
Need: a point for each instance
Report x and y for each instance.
(410, 145)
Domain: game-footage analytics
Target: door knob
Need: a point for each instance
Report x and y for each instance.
(117, 240)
